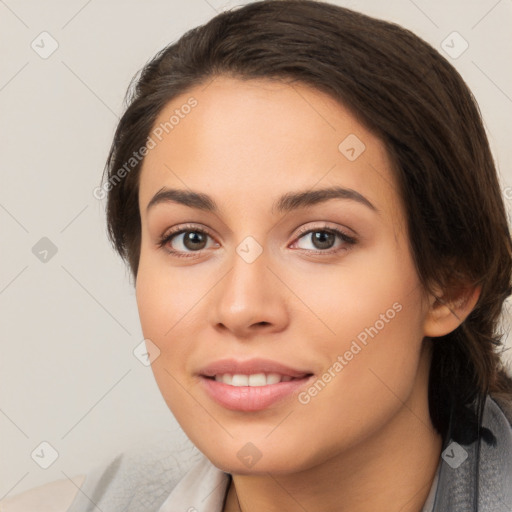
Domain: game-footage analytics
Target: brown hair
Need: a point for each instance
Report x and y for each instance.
(418, 104)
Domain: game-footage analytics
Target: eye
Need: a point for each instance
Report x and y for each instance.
(323, 238)
(184, 241)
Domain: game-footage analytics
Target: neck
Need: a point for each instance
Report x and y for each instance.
(391, 470)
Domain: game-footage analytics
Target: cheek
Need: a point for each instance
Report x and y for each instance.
(377, 290)
(164, 298)
(375, 319)
(171, 311)
(371, 367)
(165, 317)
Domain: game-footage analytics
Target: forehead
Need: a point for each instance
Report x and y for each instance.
(258, 139)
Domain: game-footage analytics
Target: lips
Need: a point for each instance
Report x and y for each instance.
(251, 367)
(252, 385)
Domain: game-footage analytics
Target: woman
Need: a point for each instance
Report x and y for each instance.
(309, 208)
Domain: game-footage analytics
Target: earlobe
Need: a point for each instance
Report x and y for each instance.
(444, 317)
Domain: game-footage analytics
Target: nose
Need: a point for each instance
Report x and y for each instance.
(250, 299)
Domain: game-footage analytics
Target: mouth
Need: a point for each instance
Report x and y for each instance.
(253, 379)
(253, 368)
(252, 385)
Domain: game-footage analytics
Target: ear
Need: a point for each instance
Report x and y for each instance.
(444, 316)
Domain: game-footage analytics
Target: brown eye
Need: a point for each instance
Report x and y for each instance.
(194, 240)
(324, 239)
(185, 241)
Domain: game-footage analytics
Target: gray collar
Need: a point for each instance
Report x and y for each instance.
(478, 476)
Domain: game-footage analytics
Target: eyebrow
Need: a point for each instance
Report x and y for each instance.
(286, 203)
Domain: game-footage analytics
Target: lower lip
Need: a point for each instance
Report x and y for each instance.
(251, 398)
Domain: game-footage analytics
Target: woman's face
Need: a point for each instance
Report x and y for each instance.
(292, 258)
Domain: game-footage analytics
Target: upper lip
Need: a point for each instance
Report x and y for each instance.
(249, 367)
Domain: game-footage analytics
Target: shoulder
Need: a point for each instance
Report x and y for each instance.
(504, 403)
(52, 497)
(140, 477)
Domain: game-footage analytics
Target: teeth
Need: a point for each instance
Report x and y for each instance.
(255, 379)
(240, 380)
(258, 379)
(273, 378)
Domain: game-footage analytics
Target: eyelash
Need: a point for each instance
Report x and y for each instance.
(165, 239)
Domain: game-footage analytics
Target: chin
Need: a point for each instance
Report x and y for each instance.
(257, 458)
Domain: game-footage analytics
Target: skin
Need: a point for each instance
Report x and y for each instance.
(366, 441)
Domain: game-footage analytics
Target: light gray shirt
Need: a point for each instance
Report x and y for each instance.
(185, 480)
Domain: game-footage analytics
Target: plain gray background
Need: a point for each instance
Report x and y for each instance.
(69, 323)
